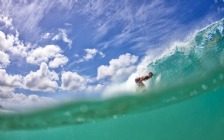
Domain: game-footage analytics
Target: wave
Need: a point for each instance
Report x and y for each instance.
(184, 71)
(192, 58)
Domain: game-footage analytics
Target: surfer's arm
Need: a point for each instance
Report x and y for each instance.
(145, 78)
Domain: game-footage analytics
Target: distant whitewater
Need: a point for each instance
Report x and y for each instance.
(185, 70)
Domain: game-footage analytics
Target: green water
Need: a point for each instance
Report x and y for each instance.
(199, 118)
(186, 102)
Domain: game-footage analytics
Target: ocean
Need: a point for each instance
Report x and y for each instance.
(185, 101)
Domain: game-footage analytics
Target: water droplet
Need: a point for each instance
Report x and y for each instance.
(173, 99)
(170, 99)
(193, 93)
(204, 87)
(115, 117)
(83, 108)
(67, 113)
(79, 119)
(221, 76)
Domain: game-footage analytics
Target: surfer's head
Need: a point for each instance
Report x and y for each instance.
(150, 74)
(137, 80)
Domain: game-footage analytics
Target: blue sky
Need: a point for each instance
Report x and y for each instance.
(51, 49)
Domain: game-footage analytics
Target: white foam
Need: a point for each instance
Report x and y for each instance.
(129, 86)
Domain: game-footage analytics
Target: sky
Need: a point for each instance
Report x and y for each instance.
(51, 50)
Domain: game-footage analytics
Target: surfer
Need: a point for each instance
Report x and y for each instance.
(139, 80)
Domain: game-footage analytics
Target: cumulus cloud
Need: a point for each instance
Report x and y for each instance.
(59, 60)
(95, 88)
(10, 81)
(91, 54)
(9, 99)
(62, 35)
(72, 81)
(5, 42)
(44, 54)
(42, 80)
(11, 44)
(119, 68)
(4, 59)
(20, 101)
(39, 55)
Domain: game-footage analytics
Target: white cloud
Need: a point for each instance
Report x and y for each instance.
(95, 88)
(11, 100)
(56, 37)
(46, 36)
(72, 81)
(10, 81)
(4, 60)
(42, 80)
(12, 44)
(6, 21)
(21, 102)
(62, 35)
(59, 60)
(5, 42)
(102, 54)
(39, 55)
(90, 54)
(119, 68)
(68, 24)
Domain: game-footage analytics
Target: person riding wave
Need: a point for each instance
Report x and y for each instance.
(139, 80)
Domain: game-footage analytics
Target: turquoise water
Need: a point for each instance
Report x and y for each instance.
(199, 118)
(185, 101)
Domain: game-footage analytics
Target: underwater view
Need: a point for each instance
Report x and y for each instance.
(59, 87)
